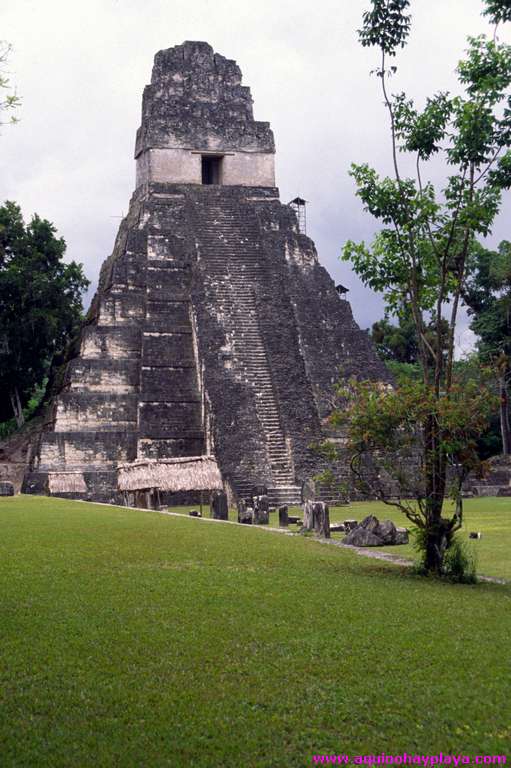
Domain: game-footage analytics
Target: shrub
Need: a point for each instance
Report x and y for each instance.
(460, 563)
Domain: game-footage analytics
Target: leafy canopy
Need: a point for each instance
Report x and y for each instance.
(420, 260)
(40, 302)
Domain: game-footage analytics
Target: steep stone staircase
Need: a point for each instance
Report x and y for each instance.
(229, 246)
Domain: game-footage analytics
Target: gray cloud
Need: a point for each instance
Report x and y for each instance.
(81, 67)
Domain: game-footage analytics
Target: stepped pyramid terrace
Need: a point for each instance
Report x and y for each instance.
(214, 332)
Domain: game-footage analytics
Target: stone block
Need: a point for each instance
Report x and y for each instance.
(167, 349)
(219, 508)
(246, 516)
(6, 488)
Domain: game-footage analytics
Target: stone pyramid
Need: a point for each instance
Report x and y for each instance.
(214, 329)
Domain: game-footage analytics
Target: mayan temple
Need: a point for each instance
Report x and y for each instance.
(214, 331)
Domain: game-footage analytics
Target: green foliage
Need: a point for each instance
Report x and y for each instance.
(498, 10)
(460, 563)
(40, 303)
(427, 235)
(10, 426)
(420, 260)
(403, 372)
(386, 25)
(467, 371)
(473, 368)
(421, 132)
(8, 101)
(487, 293)
(395, 342)
(486, 70)
(399, 342)
(385, 425)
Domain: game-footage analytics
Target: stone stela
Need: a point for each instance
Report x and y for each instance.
(214, 330)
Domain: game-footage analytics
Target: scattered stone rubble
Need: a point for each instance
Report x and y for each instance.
(371, 533)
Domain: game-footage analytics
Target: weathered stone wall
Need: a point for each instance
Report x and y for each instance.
(93, 422)
(183, 166)
(196, 103)
(216, 324)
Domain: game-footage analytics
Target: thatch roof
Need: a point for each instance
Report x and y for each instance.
(66, 482)
(191, 473)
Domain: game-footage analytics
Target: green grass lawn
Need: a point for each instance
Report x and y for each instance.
(135, 639)
(491, 516)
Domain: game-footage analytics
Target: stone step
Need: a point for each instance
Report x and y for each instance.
(226, 240)
(277, 497)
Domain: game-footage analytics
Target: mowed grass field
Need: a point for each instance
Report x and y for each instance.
(130, 638)
(490, 516)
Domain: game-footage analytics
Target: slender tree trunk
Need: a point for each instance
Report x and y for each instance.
(436, 528)
(16, 407)
(437, 540)
(505, 428)
(436, 545)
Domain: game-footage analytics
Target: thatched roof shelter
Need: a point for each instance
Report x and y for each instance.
(191, 473)
(66, 482)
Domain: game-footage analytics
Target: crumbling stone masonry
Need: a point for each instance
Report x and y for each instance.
(214, 328)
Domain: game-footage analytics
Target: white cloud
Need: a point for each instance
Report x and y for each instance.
(81, 67)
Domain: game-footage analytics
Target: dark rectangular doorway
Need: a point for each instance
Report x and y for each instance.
(211, 169)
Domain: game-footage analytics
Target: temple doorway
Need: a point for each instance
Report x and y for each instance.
(211, 169)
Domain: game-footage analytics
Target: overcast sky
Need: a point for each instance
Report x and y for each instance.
(80, 68)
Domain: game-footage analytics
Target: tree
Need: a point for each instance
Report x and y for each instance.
(487, 293)
(40, 305)
(419, 259)
(9, 100)
(396, 342)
